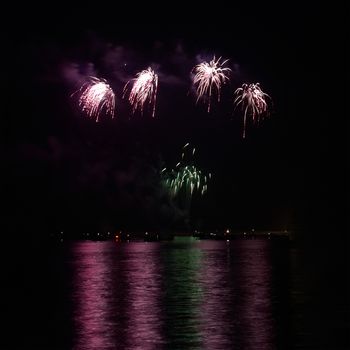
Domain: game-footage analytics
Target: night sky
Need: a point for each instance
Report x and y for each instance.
(66, 172)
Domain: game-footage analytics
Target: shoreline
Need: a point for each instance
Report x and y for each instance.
(156, 236)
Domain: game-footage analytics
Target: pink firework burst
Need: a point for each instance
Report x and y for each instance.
(97, 95)
(210, 77)
(253, 101)
(144, 90)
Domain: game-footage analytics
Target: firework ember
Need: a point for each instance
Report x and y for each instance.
(209, 77)
(144, 89)
(97, 95)
(186, 178)
(253, 101)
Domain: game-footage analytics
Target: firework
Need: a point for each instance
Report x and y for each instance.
(96, 95)
(144, 89)
(253, 101)
(186, 178)
(209, 77)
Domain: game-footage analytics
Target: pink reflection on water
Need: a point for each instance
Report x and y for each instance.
(215, 313)
(236, 312)
(116, 296)
(92, 292)
(253, 270)
(144, 283)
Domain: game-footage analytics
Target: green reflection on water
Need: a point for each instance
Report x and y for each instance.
(182, 293)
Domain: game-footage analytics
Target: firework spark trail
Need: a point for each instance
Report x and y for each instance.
(144, 88)
(210, 76)
(185, 177)
(188, 178)
(96, 95)
(253, 102)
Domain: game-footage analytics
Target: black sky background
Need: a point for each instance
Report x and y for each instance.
(64, 171)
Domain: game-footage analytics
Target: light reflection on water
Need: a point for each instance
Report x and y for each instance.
(93, 295)
(182, 262)
(184, 294)
(143, 300)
